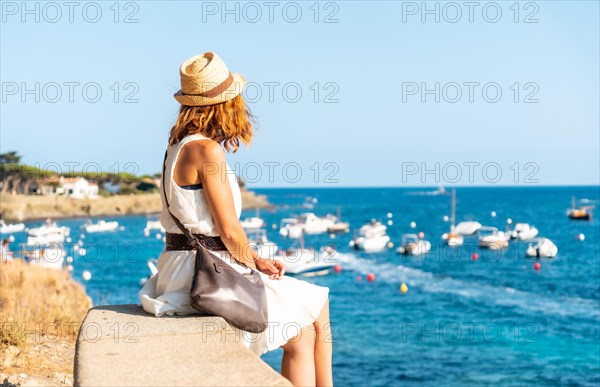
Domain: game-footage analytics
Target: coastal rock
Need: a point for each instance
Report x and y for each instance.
(29, 207)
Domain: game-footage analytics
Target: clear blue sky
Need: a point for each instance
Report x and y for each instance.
(375, 134)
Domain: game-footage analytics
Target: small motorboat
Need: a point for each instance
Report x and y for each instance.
(413, 245)
(453, 238)
(308, 262)
(467, 228)
(153, 225)
(55, 237)
(337, 225)
(101, 226)
(491, 238)
(290, 228)
(371, 237)
(252, 223)
(11, 228)
(542, 248)
(523, 231)
(313, 224)
(48, 228)
(581, 213)
(262, 245)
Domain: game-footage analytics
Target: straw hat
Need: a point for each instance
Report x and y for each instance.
(206, 80)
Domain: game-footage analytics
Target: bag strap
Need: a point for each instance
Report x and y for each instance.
(192, 239)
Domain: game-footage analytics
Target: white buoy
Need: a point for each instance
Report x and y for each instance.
(82, 251)
(446, 218)
(332, 236)
(70, 259)
(509, 221)
(390, 222)
(82, 236)
(86, 275)
(122, 228)
(274, 226)
(390, 215)
(69, 240)
(158, 236)
(413, 224)
(70, 268)
(76, 247)
(493, 214)
(581, 237)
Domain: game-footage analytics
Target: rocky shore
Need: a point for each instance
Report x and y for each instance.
(32, 207)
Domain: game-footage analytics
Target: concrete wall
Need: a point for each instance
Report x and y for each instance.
(125, 346)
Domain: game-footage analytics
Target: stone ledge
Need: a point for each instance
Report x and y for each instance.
(125, 346)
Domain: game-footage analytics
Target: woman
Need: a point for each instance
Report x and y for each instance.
(203, 194)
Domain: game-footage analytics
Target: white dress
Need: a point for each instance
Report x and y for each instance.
(292, 303)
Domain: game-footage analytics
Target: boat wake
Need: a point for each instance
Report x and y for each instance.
(488, 294)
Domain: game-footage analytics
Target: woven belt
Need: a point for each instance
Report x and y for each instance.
(180, 242)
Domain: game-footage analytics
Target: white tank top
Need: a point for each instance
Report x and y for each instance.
(190, 206)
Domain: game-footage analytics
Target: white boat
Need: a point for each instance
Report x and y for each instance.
(372, 229)
(252, 223)
(290, 228)
(371, 237)
(101, 226)
(413, 245)
(337, 225)
(523, 231)
(52, 257)
(308, 261)
(453, 238)
(262, 245)
(491, 238)
(467, 228)
(543, 248)
(154, 225)
(48, 228)
(313, 224)
(11, 228)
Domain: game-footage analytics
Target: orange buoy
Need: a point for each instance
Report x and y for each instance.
(337, 268)
(370, 277)
(537, 266)
(475, 256)
(359, 278)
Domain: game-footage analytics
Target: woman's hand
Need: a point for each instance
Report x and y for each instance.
(273, 268)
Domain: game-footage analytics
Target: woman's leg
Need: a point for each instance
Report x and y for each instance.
(298, 363)
(323, 348)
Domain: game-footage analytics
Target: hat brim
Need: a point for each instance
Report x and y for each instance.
(235, 89)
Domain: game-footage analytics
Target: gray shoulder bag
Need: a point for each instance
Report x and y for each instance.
(217, 288)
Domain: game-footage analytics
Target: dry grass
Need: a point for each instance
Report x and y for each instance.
(40, 312)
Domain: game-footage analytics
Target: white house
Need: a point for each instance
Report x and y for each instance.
(75, 187)
(78, 187)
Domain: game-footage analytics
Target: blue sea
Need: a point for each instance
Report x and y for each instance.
(491, 321)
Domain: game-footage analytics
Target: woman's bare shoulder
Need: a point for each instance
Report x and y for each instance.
(205, 150)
